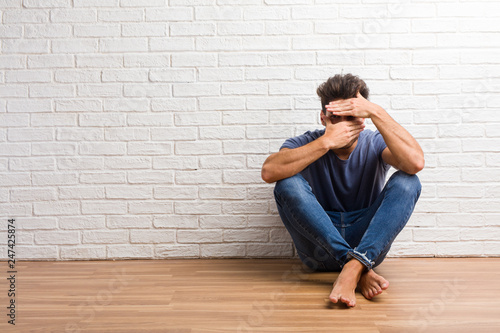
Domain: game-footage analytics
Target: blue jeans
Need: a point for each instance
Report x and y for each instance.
(327, 240)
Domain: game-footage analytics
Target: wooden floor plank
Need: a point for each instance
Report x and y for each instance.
(250, 295)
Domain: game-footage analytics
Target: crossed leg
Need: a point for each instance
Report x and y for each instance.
(310, 227)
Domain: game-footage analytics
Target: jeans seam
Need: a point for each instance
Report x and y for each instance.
(309, 233)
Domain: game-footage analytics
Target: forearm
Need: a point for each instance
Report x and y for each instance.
(289, 162)
(403, 146)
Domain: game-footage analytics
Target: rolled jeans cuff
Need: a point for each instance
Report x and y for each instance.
(360, 257)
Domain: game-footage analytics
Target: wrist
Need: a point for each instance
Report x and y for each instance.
(324, 143)
(377, 112)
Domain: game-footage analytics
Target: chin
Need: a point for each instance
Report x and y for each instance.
(349, 145)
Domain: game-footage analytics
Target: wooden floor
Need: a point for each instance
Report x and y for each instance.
(249, 295)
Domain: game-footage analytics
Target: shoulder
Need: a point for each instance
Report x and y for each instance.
(303, 139)
(371, 136)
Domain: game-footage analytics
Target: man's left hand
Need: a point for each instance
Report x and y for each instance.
(355, 107)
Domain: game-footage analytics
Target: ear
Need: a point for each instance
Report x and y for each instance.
(322, 115)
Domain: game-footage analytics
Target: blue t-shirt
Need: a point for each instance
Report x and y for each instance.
(346, 185)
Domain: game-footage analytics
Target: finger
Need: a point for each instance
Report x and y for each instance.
(342, 113)
(339, 107)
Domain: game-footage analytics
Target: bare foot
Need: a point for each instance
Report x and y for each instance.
(371, 284)
(345, 285)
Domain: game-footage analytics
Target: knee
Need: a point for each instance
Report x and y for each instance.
(290, 187)
(408, 184)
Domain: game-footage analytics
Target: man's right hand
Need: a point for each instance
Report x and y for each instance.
(342, 133)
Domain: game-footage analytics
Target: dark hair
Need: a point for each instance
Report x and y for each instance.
(341, 87)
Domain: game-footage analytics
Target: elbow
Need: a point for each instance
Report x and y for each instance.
(266, 175)
(416, 166)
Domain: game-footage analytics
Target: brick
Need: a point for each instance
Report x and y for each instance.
(72, 46)
(222, 132)
(128, 75)
(128, 222)
(128, 192)
(171, 14)
(83, 253)
(146, 60)
(222, 250)
(222, 162)
(172, 75)
(176, 221)
(12, 61)
(144, 29)
(198, 118)
(149, 148)
(129, 251)
(242, 177)
(56, 208)
(198, 177)
(147, 90)
(25, 46)
(199, 236)
(76, 76)
(123, 45)
(73, 105)
(222, 192)
(135, 162)
(221, 222)
(201, 147)
(150, 177)
(11, 31)
(177, 251)
(173, 134)
(255, 207)
(197, 208)
(126, 134)
(242, 118)
(30, 134)
(83, 222)
(26, 16)
(98, 119)
(59, 178)
(47, 31)
(103, 177)
(175, 192)
(82, 192)
(36, 223)
(33, 194)
(99, 90)
(73, 15)
(174, 162)
(246, 235)
(173, 104)
(99, 61)
(104, 207)
(152, 236)
(172, 44)
(14, 149)
(57, 237)
(29, 105)
(192, 29)
(150, 207)
(32, 164)
(269, 250)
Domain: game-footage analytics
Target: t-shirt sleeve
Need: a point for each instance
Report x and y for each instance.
(379, 146)
(298, 141)
(378, 143)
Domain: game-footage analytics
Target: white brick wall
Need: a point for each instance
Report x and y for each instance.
(137, 129)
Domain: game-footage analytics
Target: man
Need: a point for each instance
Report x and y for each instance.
(330, 189)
